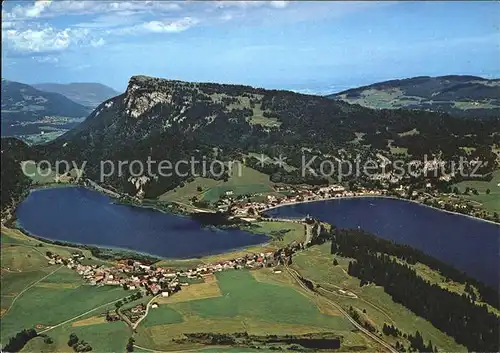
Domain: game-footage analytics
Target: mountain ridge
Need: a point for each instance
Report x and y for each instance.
(16, 94)
(89, 94)
(459, 95)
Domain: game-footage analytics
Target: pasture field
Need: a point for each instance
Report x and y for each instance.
(489, 201)
(163, 315)
(189, 190)
(316, 264)
(93, 320)
(45, 177)
(282, 233)
(17, 257)
(51, 306)
(244, 304)
(102, 337)
(247, 182)
(12, 236)
(208, 289)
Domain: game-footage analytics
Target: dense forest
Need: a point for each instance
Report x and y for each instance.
(379, 261)
(14, 183)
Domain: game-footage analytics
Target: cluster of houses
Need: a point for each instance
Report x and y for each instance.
(135, 313)
(292, 194)
(129, 274)
(133, 275)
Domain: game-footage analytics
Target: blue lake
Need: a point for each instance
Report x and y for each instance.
(470, 245)
(82, 216)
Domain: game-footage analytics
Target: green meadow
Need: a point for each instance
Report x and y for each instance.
(489, 201)
(241, 182)
(316, 264)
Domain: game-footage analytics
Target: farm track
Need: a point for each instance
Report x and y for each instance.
(28, 287)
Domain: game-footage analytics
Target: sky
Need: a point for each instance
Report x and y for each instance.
(316, 47)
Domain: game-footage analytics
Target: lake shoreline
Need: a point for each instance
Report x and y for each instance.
(381, 197)
(117, 252)
(132, 254)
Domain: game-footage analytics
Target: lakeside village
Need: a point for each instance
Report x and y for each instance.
(163, 281)
(243, 207)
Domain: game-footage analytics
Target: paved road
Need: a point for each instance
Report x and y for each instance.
(295, 276)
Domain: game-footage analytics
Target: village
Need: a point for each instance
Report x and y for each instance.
(245, 208)
(159, 281)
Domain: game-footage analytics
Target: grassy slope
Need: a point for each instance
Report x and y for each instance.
(492, 201)
(316, 264)
(247, 180)
(104, 337)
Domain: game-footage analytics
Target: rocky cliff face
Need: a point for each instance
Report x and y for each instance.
(143, 93)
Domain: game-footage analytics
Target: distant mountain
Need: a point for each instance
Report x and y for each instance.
(21, 102)
(464, 96)
(174, 120)
(27, 110)
(85, 93)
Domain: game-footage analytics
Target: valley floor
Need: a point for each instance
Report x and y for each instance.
(56, 302)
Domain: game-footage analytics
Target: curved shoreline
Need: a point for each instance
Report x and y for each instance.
(124, 252)
(382, 197)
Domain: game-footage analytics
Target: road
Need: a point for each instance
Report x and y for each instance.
(374, 337)
(145, 314)
(28, 287)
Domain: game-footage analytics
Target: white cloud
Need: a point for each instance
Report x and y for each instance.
(170, 26)
(7, 24)
(97, 43)
(47, 9)
(46, 39)
(279, 4)
(46, 59)
(250, 4)
(37, 9)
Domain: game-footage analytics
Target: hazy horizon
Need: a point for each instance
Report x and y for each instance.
(317, 47)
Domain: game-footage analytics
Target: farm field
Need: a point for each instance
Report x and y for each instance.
(489, 201)
(316, 264)
(239, 307)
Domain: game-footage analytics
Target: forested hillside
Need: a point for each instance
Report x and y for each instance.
(459, 95)
(173, 120)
